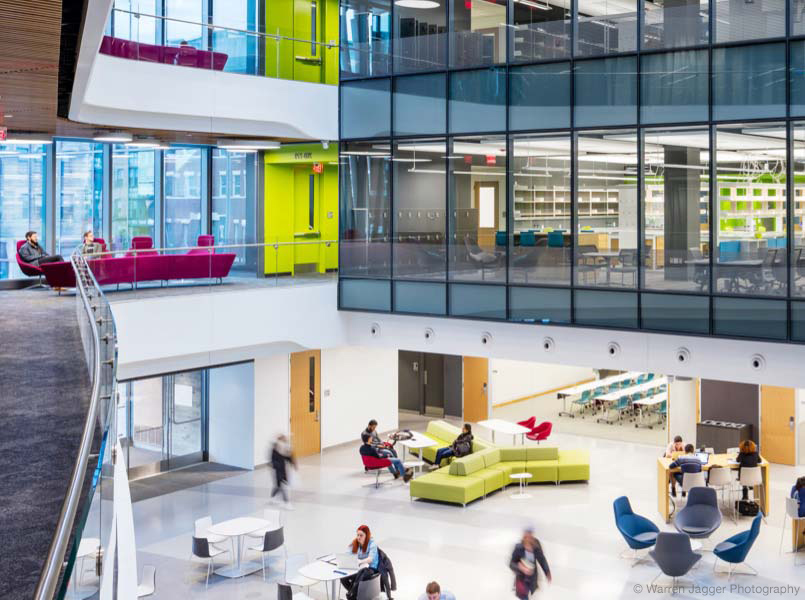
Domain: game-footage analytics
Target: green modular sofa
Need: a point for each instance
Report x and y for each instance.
(444, 434)
(489, 468)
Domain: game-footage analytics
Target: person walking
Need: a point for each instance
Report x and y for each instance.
(281, 456)
(526, 556)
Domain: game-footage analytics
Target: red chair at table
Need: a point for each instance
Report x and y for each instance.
(529, 422)
(372, 463)
(27, 268)
(540, 432)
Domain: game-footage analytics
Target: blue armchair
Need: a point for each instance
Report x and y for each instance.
(639, 532)
(733, 550)
(700, 517)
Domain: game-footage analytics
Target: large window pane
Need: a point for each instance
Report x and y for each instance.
(477, 209)
(420, 104)
(606, 205)
(539, 305)
(798, 233)
(128, 25)
(365, 37)
(419, 209)
(797, 77)
(79, 193)
(541, 203)
(740, 20)
(480, 301)
(749, 82)
(184, 191)
(541, 30)
(477, 32)
(673, 87)
(675, 23)
(750, 219)
(606, 27)
(420, 36)
(364, 173)
(606, 309)
(420, 298)
(184, 25)
(22, 201)
(540, 96)
(234, 204)
(753, 318)
(606, 92)
(478, 101)
(239, 17)
(675, 312)
(366, 108)
(134, 190)
(365, 294)
(676, 230)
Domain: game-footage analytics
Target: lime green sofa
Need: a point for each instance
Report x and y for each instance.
(489, 468)
(443, 433)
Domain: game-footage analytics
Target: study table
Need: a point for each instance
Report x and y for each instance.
(417, 442)
(609, 256)
(501, 426)
(644, 404)
(590, 386)
(726, 461)
(326, 570)
(236, 529)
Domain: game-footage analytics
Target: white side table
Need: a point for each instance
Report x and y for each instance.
(414, 464)
(521, 478)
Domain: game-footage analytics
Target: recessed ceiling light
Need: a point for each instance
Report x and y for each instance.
(24, 141)
(423, 4)
(8, 116)
(247, 145)
(113, 136)
(145, 143)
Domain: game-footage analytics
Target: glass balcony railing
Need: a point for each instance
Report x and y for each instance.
(167, 40)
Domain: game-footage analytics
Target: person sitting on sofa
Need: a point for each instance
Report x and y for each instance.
(461, 446)
(34, 254)
(383, 447)
(434, 592)
(688, 463)
(397, 469)
(89, 245)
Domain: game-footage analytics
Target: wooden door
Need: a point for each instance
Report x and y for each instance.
(777, 424)
(306, 402)
(308, 23)
(487, 205)
(476, 389)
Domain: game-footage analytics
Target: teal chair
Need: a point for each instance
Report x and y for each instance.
(500, 238)
(527, 238)
(556, 239)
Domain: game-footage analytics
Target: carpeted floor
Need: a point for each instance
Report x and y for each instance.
(44, 391)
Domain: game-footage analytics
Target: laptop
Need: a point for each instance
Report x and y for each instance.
(703, 457)
(346, 560)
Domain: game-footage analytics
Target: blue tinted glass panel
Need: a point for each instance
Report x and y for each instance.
(749, 82)
(539, 305)
(478, 101)
(365, 37)
(798, 78)
(752, 318)
(798, 321)
(606, 309)
(417, 297)
(606, 92)
(420, 104)
(366, 108)
(673, 87)
(482, 301)
(540, 96)
(366, 294)
(79, 193)
(666, 312)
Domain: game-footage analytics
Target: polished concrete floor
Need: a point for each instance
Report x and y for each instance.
(466, 550)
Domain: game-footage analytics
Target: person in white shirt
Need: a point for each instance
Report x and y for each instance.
(434, 592)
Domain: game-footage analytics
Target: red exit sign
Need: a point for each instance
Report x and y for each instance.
(3, 134)
(318, 167)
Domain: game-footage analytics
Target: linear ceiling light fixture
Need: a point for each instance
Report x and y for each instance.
(421, 4)
(533, 4)
(247, 145)
(113, 136)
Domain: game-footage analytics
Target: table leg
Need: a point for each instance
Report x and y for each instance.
(334, 589)
(493, 436)
(404, 452)
(237, 552)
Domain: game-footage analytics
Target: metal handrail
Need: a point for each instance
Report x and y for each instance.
(49, 578)
(210, 249)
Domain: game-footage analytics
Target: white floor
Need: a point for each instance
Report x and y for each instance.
(466, 550)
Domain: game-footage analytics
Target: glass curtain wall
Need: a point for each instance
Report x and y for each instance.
(134, 193)
(420, 36)
(365, 27)
(541, 30)
(79, 192)
(184, 184)
(137, 27)
(239, 46)
(234, 203)
(798, 210)
(606, 27)
(189, 33)
(477, 32)
(22, 200)
(674, 23)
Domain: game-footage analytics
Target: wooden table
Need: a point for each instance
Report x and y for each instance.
(716, 460)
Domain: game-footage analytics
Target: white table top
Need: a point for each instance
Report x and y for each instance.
(87, 546)
(420, 440)
(521, 475)
(502, 426)
(323, 571)
(652, 400)
(578, 389)
(239, 526)
(635, 389)
(603, 254)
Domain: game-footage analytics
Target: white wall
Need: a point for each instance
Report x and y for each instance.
(357, 384)
(513, 379)
(682, 409)
(272, 412)
(231, 415)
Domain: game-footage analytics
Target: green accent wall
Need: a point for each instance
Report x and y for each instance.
(288, 174)
(297, 60)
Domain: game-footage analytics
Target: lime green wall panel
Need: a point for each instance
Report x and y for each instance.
(279, 21)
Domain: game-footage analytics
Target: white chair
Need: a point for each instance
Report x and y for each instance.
(148, 582)
(271, 541)
(204, 550)
(274, 517)
(751, 477)
(292, 576)
(201, 530)
(721, 479)
(692, 480)
(792, 512)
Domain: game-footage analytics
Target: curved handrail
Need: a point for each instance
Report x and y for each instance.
(49, 578)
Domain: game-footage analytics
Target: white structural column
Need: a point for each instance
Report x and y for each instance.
(682, 408)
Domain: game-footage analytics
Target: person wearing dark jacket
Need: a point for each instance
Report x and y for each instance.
(686, 463)
(525, 558)
(461, 446)
(281, 456)
(397, 469)
(798, 492)
(388, 580)
(747, 457)
(34, 254)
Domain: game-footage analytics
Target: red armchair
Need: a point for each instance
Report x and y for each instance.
(540, 432)
(203, 242)
(372, 463)
(529, 422)
(27, 268)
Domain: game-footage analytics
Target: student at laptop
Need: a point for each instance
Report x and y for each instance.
(368, 561)
(397, 469)
(434, 592)
(675, 446)
(688, 463)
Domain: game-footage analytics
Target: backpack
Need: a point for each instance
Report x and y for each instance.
(401, 434)
(462, 448)
(748, 508)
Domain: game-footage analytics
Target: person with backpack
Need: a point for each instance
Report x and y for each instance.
(461, 446)
(281, 456)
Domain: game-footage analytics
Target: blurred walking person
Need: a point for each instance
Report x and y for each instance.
(525, 558)
(281, 457)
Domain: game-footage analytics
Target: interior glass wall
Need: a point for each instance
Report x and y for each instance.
(540, 96)
(675, 23)
(541, 30)
(477, 32)
(139, 28)
(234, 204)
(134, 193)
(798, 210)
(477, 208)
(541, 240)
(606, 92)
(365, 37)
(241, 48)
(606, 209)
(186, 29)
(740, 20)
(184, 181)
(420, 105)
(676, 227)
(22, 200)
(606, 27)
(674, 87)
(420, 36)
(79, 192)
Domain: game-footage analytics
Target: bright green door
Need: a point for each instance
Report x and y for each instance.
(307, 189)
(308, 24)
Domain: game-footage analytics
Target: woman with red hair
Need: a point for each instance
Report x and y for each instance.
(368, 561)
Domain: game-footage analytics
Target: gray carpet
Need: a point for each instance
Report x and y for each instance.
(44, 391)
(181, 479)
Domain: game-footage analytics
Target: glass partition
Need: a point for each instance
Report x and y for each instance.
(606, 27)
(234, 204)
(674, 87)
(478, 101)
(606, 92)
(541, 30)
(735, 21)
(477, 32)
(185, 180)
(420, 104)
(420, 35)
(540, 96)
(366, 108)
(134, 193)
(675, 23)
(749, 82)
(798, 210)
(184, 27)
(79, 192)
(365, 38)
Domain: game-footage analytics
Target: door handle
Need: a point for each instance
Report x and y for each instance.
(791, 425)
(426, 377)
(309, 59)
(317, 416)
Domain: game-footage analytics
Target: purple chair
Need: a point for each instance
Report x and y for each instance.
(106, 45)
(169, 55)
(204, 241)
(204, 59)
(27, 268)
(140, 242)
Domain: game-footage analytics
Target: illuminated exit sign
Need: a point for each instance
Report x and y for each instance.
(3, 134)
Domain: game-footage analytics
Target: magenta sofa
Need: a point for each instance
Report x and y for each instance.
(185, 56)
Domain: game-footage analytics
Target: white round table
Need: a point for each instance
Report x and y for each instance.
(86, 548)
(235, 529)
(324, 572)
(521, 478)
(414, 464)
